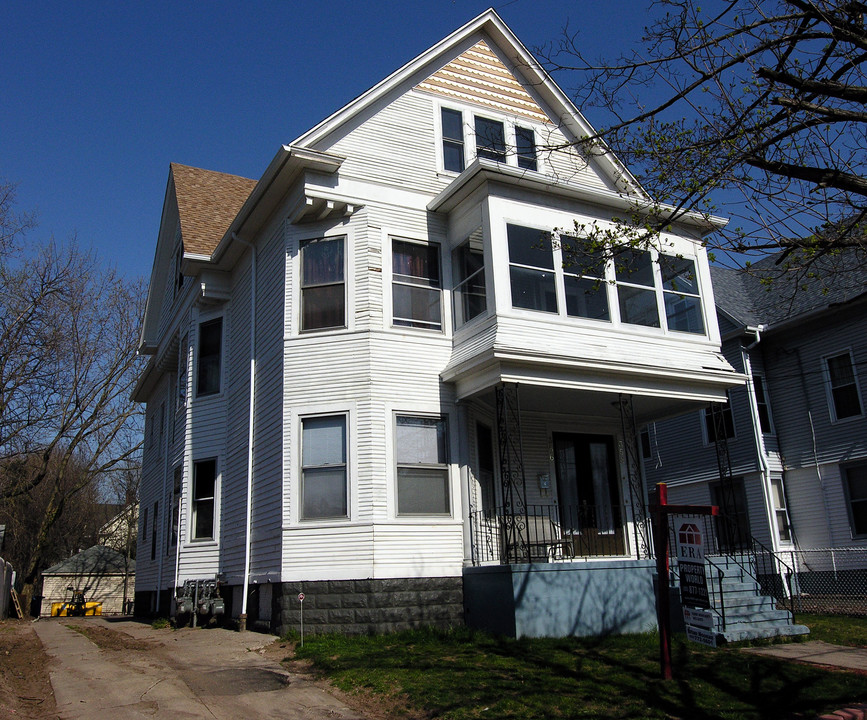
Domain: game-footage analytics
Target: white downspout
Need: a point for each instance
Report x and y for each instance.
(242, 620)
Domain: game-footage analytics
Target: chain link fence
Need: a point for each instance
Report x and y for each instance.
(829, 580)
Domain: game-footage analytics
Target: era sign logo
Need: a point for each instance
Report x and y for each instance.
(689, 544)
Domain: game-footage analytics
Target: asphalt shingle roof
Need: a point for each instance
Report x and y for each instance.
(768, 293)
(96, 560)
(208, 202)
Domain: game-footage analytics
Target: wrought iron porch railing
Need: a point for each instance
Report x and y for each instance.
(547, 533)
(729, 547)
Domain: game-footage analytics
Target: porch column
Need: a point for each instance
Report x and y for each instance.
(640, 516)
(515, 546)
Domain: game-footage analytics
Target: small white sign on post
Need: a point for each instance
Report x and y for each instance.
(699, 635)
(301, 600)
(698, 618)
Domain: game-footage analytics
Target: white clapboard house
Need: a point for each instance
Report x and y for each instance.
(373, 380)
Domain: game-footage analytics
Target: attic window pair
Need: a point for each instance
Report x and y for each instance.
(490, 141)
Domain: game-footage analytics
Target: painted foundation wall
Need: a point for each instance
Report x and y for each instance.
(560, 600)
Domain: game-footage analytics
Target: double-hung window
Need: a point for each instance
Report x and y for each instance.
(780, 510)
(181, 400)
(416, 288)
(636, 293)
(584, 280)
(843, 386)
(490, 139)
(422, 466)
(323, 291)
(468, 265)
(204, 494)
(762, 405)
(453, 139)
(323, 467)
(855, 478)
(680, 294)
(531, 269)
(210, 355)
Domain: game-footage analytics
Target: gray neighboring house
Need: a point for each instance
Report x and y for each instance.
(797, 431)
(101, 573)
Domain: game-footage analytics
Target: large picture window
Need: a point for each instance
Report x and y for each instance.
(422, 466)
(323, 291)
(843, 386)
(210, 356)
(531, 269)
(323, 467)
(204, 493)
(416, 285)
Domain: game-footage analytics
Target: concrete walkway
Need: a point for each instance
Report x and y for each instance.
(187, 673)
(816, 652)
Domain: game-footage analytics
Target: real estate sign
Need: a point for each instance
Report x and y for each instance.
(690, 559)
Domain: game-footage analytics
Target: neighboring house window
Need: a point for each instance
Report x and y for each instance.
(525, 146)
(175, 505)
(762, 406)
(855, 478)
(151, 433)
(680, 294)
(416, 285)
(531, 269)
(210, 354)
(584, 280)
(468, 264)
(453, 139)
(144, 525)
(179, 275)
(204, 493)
(780, 509)
(422, 466)
(490, 139)
(182, 374)
(727, 419)
(162, 422)
(636, 292)
(843, 386)
(323, 467)
(154, 531)
(323, 291)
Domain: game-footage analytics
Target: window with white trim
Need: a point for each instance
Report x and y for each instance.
(490, 138)
(781, 512)
(525, 148)
(416, 286)
(531, 269)
(453, 139)
(203, 499)
(494, 138)
(855, 484)
(470, 292)
(323, 286)
(209, 367)
(584, 280)
(636, 289)
(845, 398)
(421, 450)
(324, 486)
(182, 374)
(680, 294)
(175, 505)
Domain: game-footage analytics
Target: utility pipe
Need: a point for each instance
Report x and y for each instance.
(242, 620)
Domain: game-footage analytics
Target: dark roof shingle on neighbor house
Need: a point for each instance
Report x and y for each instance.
(96, 560)
(208, 202)
(768, 293)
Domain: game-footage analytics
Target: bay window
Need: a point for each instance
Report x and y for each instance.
(323, 291)
(323, 467)
(468, 264)
(416, 286)
(680, 294)
(584, 280)
(636, 293)
(422, 466)
(531, 269)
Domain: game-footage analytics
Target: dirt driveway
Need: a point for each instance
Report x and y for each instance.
(114, 670)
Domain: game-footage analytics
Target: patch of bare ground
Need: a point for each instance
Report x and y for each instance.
(105, 638)
(366, 704)
(25, 687)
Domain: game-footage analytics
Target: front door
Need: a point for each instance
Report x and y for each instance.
(588, 494)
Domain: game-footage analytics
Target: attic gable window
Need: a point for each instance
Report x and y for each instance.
(453, 139)
(525, 147)
(490, 139)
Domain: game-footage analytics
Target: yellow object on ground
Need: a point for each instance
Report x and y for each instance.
(65, 609)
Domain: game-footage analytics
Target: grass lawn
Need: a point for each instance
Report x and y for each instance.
(835, 629)
(465, 674)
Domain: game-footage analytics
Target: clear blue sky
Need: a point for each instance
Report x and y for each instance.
(99, 97)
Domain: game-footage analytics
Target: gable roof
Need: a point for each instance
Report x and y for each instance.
(96, 560)
(771, 292)
(208, 202)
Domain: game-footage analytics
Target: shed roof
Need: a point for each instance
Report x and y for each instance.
(208, 202)
(96, 560)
